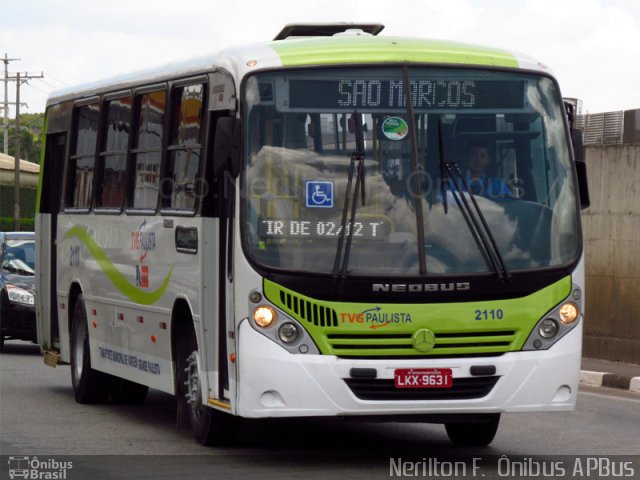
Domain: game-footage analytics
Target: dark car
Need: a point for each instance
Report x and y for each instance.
(17, 287)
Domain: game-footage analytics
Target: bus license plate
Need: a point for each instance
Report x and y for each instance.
(423, 378)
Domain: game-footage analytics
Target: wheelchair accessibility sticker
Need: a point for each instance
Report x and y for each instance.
(319, 194)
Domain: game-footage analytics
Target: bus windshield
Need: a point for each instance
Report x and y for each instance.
(398, 201)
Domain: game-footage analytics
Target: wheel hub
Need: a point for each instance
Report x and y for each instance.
(193, 395)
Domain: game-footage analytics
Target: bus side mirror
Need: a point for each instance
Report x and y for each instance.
(226, 146)
(581, 167)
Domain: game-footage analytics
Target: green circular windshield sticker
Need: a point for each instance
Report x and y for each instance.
(395, 128)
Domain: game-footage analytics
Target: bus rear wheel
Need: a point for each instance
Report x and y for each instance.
(474, 434)
(89, 385)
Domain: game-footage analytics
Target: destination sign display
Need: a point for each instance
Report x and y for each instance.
(370, 229)
(350, 94)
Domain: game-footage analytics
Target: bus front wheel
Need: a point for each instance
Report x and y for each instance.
(209, 426)
(89, 385)
(474, 434)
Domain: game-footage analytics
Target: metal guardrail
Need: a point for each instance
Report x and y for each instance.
(610, 128)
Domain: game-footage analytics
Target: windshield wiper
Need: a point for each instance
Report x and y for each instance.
(473, 217)
(443, 169)
(346, 231)
(415, 168)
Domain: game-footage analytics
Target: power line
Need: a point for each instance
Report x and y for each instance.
(49, 76)
(39, 90)
(47, 83)
(58, 80)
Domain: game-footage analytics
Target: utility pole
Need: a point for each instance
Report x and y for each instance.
(16, 187)
(20, 79)
(6, 61)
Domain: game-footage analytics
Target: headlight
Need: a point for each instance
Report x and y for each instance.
(568, 312)
(548, 328)
(556, 323)
(264, 316)
(288, 332)
(18, 295)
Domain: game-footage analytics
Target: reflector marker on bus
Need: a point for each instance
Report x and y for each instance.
(218, 403)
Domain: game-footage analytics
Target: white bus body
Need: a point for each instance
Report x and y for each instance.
(155, 247)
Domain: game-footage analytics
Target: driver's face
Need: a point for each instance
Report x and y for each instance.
(477, 160)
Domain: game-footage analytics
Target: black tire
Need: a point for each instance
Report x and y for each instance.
(4, 301)
(210, 427)
(127, 392)
(89, 385)
(474, 434)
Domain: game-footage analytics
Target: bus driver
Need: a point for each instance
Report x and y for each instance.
(477, 160)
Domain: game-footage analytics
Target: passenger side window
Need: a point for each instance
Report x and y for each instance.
(147, 150)
(113, 157)
(82, 159)
(185, 149)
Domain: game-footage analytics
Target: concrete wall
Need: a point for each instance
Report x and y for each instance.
(612, 248)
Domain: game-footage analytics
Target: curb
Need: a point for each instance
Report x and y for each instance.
(611, 380)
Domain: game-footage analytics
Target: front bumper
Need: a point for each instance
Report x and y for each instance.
(20, 323)
(275, 383)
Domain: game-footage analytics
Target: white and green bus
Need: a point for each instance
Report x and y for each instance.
(292, 229)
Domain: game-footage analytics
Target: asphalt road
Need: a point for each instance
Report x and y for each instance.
(39, 418)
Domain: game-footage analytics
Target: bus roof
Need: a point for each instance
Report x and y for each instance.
(349, 48)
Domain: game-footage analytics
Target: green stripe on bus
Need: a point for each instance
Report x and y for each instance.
(355, 329)
(346, 50)
(118, 279)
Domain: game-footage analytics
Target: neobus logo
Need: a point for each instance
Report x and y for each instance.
(421, 287)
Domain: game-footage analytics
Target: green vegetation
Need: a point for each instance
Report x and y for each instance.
(26, 224)
(31, 125)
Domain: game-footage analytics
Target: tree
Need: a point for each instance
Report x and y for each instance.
(31, 126)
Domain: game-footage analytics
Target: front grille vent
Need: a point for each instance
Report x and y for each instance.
(318, 315)
(447, 343)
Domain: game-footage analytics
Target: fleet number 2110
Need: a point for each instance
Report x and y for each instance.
(489, 314)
